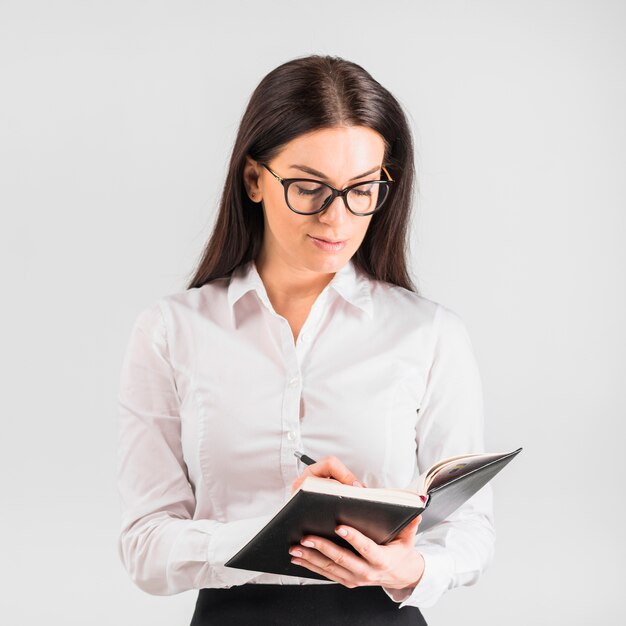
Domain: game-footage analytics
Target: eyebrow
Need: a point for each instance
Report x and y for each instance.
(310, 170)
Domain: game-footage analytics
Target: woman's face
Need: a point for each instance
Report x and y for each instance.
(341, 156)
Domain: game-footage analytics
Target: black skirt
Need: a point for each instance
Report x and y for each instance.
(301, 605)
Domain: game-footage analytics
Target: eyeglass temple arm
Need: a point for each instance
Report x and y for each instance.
(386, 172)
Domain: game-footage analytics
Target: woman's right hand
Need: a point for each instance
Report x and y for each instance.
(328, 467)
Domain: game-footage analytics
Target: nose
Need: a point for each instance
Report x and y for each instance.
(335, 213)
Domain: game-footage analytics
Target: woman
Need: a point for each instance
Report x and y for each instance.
(301, 330)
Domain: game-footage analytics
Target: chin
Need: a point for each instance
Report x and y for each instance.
(330, 264)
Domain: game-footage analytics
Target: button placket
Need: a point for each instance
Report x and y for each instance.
(290, 423)
(309, 328)
(295, 354)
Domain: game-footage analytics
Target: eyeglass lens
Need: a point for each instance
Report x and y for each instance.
(308, 196)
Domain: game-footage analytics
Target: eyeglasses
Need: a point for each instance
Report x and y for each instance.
(307, 196)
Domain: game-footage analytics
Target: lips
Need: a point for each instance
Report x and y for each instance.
(329, 246)
(328, 240)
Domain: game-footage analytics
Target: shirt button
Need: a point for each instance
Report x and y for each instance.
(294, 381)
(306, 337)
(291, 435)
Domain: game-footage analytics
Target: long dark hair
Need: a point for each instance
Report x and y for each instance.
(297, 97)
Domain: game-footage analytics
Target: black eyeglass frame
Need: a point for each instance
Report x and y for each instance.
(285, 182)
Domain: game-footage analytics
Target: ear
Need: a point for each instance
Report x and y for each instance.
(251, 174)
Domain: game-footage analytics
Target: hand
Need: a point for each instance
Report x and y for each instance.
(328, 467)
(396, 565)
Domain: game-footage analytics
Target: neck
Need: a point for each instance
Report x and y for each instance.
(288, 286)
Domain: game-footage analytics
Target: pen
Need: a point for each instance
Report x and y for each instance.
(304, 458)
(309, 461)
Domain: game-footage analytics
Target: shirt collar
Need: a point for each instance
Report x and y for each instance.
(349, 282)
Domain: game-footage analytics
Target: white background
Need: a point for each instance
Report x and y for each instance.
(116, 124)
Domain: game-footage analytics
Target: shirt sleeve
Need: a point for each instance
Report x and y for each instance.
(164, 550)
(451, 422)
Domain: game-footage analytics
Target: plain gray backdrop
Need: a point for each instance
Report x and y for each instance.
(116, 124)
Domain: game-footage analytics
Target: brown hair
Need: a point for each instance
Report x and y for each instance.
(297, 97)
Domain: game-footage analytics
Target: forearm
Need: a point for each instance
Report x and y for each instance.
(165, 555)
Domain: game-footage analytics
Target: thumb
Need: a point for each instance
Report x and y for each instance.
(407, 534)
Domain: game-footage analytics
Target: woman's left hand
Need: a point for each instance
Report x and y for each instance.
(396, 565)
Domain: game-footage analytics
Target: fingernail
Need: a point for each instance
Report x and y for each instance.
(295, 552)
(342, 531)
(356, 483)
(308, 544)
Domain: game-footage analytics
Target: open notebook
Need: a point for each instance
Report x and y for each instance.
(320, 504)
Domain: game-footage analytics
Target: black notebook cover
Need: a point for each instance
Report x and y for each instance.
(446, 499)
(319, 514)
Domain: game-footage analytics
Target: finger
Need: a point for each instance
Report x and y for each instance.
(332, 467)
(326, 553)
(328, 574)
(366, 547)
(297, 482)
(327, 557)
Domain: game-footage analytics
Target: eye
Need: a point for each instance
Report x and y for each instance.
(308, 189)
(364, 190)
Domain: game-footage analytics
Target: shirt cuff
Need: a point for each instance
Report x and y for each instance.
(438, 570)
(226, 541)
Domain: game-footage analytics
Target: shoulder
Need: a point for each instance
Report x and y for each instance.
(205, 298)
(185, 306)
(389, 299)
(395, 302)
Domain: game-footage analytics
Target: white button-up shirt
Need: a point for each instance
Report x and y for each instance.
(215, 396)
